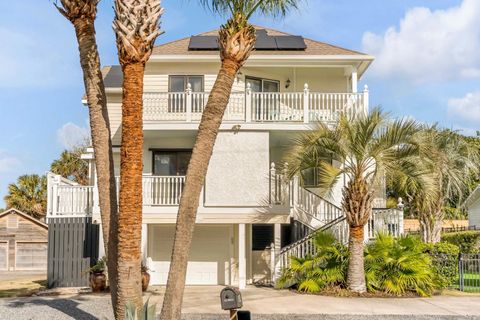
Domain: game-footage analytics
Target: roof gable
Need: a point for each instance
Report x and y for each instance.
(23, 215)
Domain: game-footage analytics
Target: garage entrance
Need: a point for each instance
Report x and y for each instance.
(209, 261)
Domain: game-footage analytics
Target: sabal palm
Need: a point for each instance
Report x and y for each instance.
(136, 25)
(449, 161)
(28, 194)
(71, 166)
(367, 147)
(82, 15)
(236, 40)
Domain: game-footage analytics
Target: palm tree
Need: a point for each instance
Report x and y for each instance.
(136, 26)
(368, 147)
(236, 41)
(71, 166)
(450, 162)
(29, 195)
(82, 14)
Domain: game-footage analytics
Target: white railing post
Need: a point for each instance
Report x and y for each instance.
(188, 102)
(273, 198)
(365, 100)
(55, 183)
(400, 207)
(306, 103)
(96, 202)
(248, 103)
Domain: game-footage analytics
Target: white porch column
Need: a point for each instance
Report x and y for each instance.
(188, 101)
(354, 76)
(248, 103)
(242, 261)
(144, 241)
(277, 244)
(306, 103)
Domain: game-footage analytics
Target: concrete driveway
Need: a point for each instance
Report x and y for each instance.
(264, 303)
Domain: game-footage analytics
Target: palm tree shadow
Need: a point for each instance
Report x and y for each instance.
(68, 307)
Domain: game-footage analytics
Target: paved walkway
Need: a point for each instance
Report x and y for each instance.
(264, 303)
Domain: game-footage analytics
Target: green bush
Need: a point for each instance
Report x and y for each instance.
(312, 274)
(466, 241)
(444, 257)
(398, 265)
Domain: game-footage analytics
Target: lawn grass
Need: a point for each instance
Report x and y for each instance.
(21, 287)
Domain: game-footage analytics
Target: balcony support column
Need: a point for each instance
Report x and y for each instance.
(306, 103)
(242, 261)
(188, 102)
(366, 98)
(248, 103)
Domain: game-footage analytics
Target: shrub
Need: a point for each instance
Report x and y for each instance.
(398, 266)
(312, 274)
(444, 257)
(467, 241)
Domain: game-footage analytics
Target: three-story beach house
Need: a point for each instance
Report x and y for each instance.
(250, 217)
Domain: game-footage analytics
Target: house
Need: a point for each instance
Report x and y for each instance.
(250, 217)
(473, 207)
(23, 242)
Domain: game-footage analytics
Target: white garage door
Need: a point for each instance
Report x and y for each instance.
(3, 255)
(209, 260)
(31, 256)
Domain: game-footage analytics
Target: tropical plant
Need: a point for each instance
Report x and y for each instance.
(82, 14)
(136, 25)
(236, 41)
(368, 147)
(29, 195)
(99, 266)
(146, 313)
(328, 267)
(448, 160)
(399, 265)
(70, 165)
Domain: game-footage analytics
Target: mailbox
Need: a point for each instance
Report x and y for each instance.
(231, 298)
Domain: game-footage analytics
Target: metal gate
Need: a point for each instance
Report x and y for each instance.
(72, 248)
(469, 272)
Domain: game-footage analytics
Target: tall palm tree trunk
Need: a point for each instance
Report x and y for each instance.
(130, 214)
(356, 268)
(431, 226)
(82, 14)
(195, 178)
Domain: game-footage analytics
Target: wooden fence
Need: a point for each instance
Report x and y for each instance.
(72, 248)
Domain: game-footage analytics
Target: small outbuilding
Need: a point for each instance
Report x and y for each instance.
(23, 242)
(473, 207)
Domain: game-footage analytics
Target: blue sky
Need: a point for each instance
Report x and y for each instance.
(427, 64)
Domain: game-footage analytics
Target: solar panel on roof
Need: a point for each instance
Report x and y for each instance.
(203, 43)
(261, 33)
(290, 43)
(265, 43)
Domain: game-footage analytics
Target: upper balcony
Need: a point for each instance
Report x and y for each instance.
(256, 107)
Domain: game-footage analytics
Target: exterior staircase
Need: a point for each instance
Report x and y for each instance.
(318, 214)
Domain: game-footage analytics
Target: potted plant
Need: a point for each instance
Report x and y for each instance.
(145, 277)
(98, 279)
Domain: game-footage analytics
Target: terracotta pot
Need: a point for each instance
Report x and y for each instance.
(98, 281)
(145, 280)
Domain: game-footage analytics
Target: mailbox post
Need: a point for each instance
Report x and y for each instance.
(231, 299)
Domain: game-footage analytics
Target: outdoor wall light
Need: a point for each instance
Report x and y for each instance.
(287, 83)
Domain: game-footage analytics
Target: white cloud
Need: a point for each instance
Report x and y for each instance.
(7, 161)
(429, 45)
(466, 109)
(71, 135)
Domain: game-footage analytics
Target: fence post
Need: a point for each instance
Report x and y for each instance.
(248, 103)
(306, 103)
(188, 102)
(460, 271)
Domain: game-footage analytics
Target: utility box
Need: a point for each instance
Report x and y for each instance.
(231, 298)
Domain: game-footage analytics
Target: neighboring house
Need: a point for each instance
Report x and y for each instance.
(473, 207)
(248, 210)
(23, 242)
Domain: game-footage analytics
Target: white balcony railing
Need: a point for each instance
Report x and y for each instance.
(251, 106)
